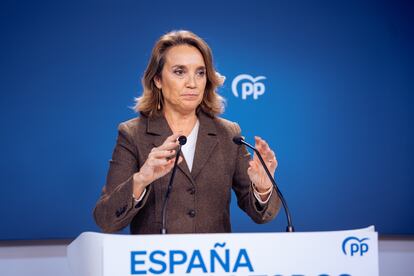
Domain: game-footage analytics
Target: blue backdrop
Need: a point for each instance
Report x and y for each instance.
(337, 105)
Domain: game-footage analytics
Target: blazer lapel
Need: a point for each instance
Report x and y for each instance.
(206, 143)
(159, 129)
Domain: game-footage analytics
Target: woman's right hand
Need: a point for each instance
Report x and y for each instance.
(159, 162)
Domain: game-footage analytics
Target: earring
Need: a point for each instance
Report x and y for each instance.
(159, 100)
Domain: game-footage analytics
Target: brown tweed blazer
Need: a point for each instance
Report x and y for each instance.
(200, 199)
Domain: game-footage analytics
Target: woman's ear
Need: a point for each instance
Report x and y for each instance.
(157, 82)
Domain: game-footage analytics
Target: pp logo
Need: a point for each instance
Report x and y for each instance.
(249, 86)
(354, 246)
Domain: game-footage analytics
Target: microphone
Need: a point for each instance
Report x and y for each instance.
(238, 140)
(181, 140)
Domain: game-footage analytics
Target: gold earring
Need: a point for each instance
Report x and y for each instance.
(159, 100)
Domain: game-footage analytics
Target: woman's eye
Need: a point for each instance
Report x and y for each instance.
(179, 72)
(201, 73)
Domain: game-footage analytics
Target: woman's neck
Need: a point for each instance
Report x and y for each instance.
(181, 123)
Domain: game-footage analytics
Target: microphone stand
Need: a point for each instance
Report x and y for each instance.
(289, 228)
(182, 140)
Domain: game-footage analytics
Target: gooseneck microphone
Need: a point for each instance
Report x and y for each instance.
(181, 140)
(238, 140)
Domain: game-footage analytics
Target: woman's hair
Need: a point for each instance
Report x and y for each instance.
(151, 101)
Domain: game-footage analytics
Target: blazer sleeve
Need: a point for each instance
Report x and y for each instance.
(116, 207)
(243, 189)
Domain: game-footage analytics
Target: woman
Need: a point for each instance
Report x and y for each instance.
(180, 98)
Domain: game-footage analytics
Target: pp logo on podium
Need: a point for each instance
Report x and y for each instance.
(354, 246)
(249, 86)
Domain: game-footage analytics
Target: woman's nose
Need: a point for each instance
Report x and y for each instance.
(191, 81)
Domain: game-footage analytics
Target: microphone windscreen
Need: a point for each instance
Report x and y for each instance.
(182, 140)
(237, 140)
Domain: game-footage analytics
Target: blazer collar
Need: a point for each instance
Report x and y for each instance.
(157, 125)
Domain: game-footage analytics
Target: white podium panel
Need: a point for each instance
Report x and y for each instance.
(338, 253)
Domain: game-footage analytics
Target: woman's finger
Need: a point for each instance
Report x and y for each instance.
(180, 159)
(264, 149)
(158, 162)
(170, 143)
(173, 138)
(168, 146)
(162, 154)
(267, 154)
(270, 155)
(261, 144)
(253, 165)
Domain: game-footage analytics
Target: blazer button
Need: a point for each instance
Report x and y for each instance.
(191, 191)
(192, 213)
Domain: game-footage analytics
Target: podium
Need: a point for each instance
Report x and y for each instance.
(336, 253)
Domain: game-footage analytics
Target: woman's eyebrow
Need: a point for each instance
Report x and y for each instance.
(184, 66)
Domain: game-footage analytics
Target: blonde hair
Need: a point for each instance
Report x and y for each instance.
(151, 101)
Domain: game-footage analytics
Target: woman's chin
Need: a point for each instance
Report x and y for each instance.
(190, 106)
(185, 107)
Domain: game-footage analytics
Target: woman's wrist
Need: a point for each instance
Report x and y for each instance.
(139, 185)
(262, 192)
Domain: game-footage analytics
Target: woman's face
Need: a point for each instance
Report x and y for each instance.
(183, 79)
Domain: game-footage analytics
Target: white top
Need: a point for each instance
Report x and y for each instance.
(188, 149)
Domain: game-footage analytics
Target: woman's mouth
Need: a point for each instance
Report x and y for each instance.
(189, 95)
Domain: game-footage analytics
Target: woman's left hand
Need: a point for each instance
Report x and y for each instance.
(256, 171)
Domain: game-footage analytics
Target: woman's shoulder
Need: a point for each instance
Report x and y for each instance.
(226, 125)
(133, 125)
